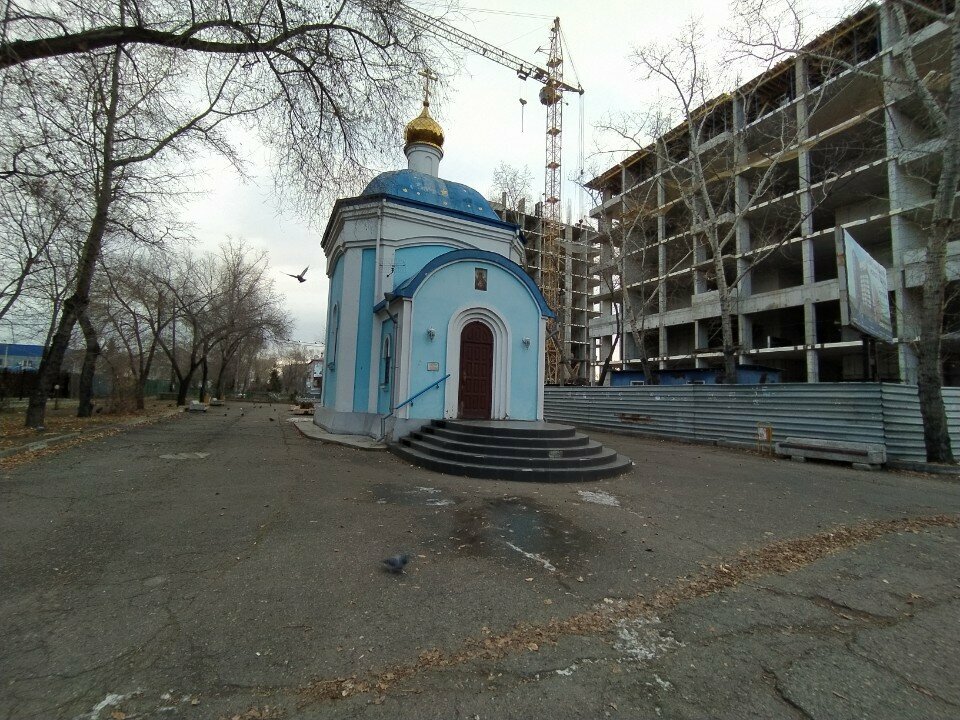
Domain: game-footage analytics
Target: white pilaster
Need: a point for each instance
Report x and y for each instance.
(346, 360)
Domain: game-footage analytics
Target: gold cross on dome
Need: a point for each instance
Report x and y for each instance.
(428, 76)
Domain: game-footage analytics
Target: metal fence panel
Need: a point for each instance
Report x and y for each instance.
(856, 412)
(903, 426)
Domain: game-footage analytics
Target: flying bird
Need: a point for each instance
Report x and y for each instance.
(396, 563)
(300, 277)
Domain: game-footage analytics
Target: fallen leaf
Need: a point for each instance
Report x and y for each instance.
(533, 647)
(118, 715)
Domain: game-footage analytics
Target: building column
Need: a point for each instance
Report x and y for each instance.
(903, 191)
(346, 360)
(661, 266)
(806, 223)
(741, 199)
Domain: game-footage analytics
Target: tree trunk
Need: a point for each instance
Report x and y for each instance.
(729, 349)
(203, 380)
(140, 387)
(184, 387)
(221, 377)
(606, 362)
(638, 329)
(726, 321)
(936, 436)
(51, 365)
(613, 345)
(85, 389)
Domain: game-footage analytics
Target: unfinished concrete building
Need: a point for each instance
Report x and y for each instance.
(851, 148)
(577, 286)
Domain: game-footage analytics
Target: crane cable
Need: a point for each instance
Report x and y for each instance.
(581, 154)
(507, 12)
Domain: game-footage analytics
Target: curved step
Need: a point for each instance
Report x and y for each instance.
(460, 435)
(542, 451)
(461, 454)
(617, 465)
(507, 428)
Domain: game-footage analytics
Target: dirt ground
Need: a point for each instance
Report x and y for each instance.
(61, 419)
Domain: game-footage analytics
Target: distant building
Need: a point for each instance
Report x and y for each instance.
(20, 358)
(577, 285)
(866, 162)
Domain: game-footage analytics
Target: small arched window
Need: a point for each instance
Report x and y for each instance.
(385, 359)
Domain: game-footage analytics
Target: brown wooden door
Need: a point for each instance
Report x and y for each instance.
(476, 371)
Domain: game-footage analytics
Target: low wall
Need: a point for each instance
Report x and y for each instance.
(856, 412)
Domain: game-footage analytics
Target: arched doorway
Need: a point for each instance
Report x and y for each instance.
(475, 392)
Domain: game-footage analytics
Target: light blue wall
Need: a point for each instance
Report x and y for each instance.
(361, 378)
(445, 292)
(384, 391)
(409, 260)
(335, 297)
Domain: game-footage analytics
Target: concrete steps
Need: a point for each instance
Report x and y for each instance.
(510, 450)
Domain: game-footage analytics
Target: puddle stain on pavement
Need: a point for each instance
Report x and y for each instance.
(510, 527)
(518, 528)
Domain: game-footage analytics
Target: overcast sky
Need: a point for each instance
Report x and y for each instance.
(481, 115)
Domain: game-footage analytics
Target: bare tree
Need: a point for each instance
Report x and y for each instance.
(250, 311)
(324, 82)
(327, 79)
(942, 109)
(636, 233)
(135, 308)
(132, 125)
(221, 302)
(32, 218)
(612, 282)
(512, 185)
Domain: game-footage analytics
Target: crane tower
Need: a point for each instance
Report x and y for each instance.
(551, 272)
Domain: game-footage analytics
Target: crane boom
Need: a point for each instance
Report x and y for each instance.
(445, 31)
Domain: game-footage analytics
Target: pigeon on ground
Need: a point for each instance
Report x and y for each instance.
(396, 563)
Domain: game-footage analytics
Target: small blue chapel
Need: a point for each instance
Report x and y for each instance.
(429, 315)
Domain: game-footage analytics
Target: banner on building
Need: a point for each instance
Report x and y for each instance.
(864, 298)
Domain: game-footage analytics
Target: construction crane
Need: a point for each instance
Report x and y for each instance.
(552, 258)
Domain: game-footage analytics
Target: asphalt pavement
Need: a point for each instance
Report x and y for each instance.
(222, 565)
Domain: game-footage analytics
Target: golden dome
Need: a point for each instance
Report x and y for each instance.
(424, 129)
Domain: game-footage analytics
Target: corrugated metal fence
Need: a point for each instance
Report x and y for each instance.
(861, 412)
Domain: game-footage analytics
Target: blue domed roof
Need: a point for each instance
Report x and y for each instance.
(422, 188)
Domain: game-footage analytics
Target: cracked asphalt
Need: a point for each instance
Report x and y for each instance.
(219, 566)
